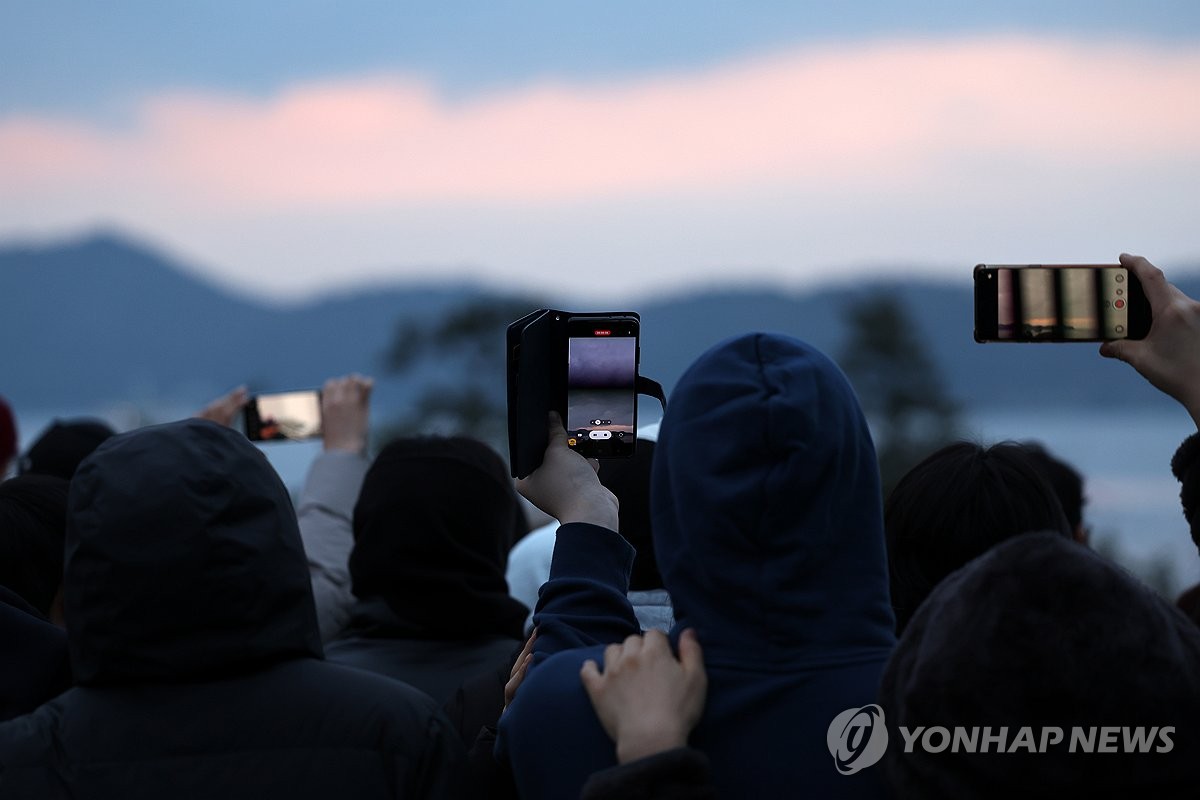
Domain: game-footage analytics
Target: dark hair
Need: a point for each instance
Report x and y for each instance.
(1064, 479)
(63, 446)
(33, 524)
(956, 505)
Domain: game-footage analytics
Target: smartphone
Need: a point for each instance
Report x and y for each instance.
(601, 390)
(286, 416)
(1058, 303)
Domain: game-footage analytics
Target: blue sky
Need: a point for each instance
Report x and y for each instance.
(381, 117)
(93, 57)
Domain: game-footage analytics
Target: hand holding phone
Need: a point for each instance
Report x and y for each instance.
(566, 486)
(1169, 356)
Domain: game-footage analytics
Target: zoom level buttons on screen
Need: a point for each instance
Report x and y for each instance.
(600, 435)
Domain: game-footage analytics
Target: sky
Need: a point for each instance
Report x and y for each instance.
(604, 151)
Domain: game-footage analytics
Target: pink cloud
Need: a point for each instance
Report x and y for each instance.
(887, 114)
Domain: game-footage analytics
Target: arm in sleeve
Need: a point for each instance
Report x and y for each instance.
(584, 602)
(326, 516)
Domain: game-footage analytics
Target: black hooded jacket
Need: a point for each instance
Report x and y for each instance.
(433, 525)
(33, 665)
(194, 643)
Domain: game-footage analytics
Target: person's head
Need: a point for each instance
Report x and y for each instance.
(62, 446)
(956, 505)
(1042, 633)
(8, 436)
(765, 507)
(433, 525)
(183, 559)
(33, 521)
(629, 480)
(1067, 484)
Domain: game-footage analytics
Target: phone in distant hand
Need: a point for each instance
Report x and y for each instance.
(284, 416)
(1058, 303)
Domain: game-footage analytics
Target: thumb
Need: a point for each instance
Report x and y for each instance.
(1118, 349)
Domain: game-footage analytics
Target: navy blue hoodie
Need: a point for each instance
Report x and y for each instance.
(766, 516)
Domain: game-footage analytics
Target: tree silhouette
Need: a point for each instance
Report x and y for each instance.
(898, 384)
(467, 349)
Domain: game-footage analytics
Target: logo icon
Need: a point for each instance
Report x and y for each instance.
(857, 738)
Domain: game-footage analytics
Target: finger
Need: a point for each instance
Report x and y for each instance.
(1154, 282)
(592, 680)
(612, 654)
(655, 641)
(556, 429)
(525, 651)
(514, 683)
(628, 649)
(595, 464)
(690, 653)
(1112, 350)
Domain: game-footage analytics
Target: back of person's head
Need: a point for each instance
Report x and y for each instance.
(434, 521)
(956, 505)
(1042, 633)
(183, 559)
(765, 506)
(8, 436)
(1067, 483)
(33, 521)
(629, 480)
(61, 447)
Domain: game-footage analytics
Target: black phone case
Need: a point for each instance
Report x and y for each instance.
(537, 361)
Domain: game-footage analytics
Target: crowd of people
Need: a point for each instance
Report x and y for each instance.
(736, 612)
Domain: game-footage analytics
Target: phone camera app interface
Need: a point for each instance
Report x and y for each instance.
(601, 393)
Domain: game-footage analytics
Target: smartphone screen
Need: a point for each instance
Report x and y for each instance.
(287, 416)
(1070, 303)
(602, 366)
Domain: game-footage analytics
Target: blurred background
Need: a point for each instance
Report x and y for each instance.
(194, 197)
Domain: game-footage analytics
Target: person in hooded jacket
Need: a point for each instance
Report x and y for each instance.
(34, 665)
(194, 645)
(433, 525)
(765, 509)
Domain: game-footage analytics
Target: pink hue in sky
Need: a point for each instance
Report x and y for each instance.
(883, 114)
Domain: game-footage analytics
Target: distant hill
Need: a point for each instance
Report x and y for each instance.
(101, 320)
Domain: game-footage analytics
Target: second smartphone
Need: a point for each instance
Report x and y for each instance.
(1058, 303)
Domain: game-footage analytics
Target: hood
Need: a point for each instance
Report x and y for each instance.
(433, 525)
(183, 559)
(1041, 632)
(766, 509)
